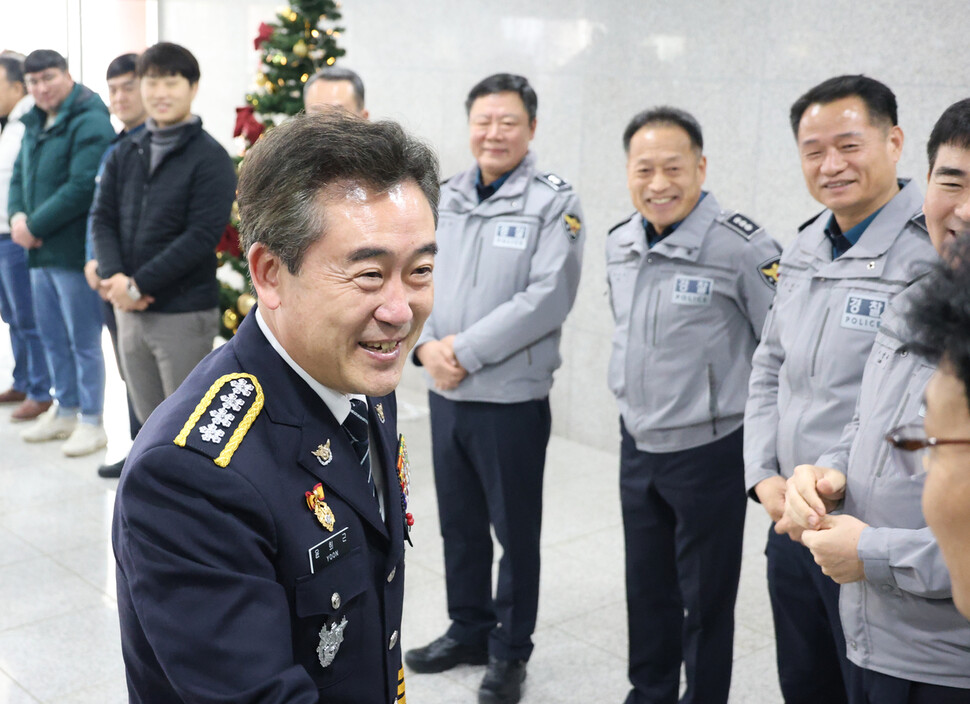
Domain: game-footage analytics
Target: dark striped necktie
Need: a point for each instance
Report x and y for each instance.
(356, 428)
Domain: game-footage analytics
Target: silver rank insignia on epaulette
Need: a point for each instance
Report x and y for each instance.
(554, 182)
(217, 430)
(742, 225)
(330, 639)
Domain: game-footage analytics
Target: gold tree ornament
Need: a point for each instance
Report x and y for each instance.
(245, 303)
(300, 48)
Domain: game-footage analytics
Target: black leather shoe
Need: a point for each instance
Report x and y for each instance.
(111, 471)
(443, 654)
(503, 682)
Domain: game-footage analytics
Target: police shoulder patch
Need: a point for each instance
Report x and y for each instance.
(741, 224)
(217, 429)
(554, 182)
(810, 221)
(572, 226)
(768, 270)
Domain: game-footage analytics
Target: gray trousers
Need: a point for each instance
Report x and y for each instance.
(158, 350)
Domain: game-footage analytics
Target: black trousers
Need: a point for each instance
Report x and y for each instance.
(809, 642)
(488, 466)
(870, 687)
(683, 519)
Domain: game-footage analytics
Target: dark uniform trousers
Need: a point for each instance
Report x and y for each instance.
(488, 466)
(810, 645)
(870, 687)
(683, 521)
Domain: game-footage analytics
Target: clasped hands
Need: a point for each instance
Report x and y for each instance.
(803, 511)
(438, 358)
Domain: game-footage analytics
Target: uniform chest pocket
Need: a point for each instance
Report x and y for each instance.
(504, 255)
(331, 634)
(621, 275)
(333, 589)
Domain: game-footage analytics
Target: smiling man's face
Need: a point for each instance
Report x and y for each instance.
(665, 173)
(947, 202)
(849, 163)
(355, 308)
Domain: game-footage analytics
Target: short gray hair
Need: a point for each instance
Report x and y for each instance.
(333, 73)
(288, 169)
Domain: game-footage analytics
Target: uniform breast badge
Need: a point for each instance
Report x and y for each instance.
(315, 500)
(404, 479)
(380, 412)
(323, 453)
(330, 639)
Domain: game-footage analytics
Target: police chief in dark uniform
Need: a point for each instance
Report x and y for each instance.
(261, 517)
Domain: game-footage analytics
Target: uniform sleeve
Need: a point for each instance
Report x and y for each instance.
(195, 545)
(837, 457)
(208, 210)
(757, 288)
(542, 307)
(104, 234)
(906, 560)
(761, 410)
(72, 198)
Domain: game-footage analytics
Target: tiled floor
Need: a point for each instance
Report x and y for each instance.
(58, 625)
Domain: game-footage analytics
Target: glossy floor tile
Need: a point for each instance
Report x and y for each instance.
(59, 637)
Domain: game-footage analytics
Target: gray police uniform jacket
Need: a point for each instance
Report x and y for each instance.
(506, 276)
(687, 313)
(900, 620)
(808, 366)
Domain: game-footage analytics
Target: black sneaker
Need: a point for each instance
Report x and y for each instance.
(111, 471)
(443, 654)
(503, 682)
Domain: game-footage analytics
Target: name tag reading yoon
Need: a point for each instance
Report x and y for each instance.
(692, 291)
(511, 235)
(863, 312)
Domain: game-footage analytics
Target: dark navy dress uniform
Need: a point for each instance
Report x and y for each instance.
(229, 587)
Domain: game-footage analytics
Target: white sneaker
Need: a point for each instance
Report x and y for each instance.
(49, 426)
(85, 439)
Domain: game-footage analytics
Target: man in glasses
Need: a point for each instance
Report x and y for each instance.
(906, 642)
(941, 323)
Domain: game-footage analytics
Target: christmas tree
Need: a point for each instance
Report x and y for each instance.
(301, 41)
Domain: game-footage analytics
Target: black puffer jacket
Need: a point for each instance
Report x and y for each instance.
(161, 227)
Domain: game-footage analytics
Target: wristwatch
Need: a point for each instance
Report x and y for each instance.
(133, 293)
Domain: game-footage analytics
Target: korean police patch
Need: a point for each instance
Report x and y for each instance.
(862, 311)
(572, 225)
(511, 235)
(692, 290)
(769, 271)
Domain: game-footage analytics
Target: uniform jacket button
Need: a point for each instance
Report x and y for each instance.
(393, 641)
(390, 577)
(335, 600)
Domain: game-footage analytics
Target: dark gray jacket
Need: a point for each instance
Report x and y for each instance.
(161, 226)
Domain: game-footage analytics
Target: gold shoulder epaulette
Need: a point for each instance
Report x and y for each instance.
(205, 429)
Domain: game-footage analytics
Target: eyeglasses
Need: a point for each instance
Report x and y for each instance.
(912, 446)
